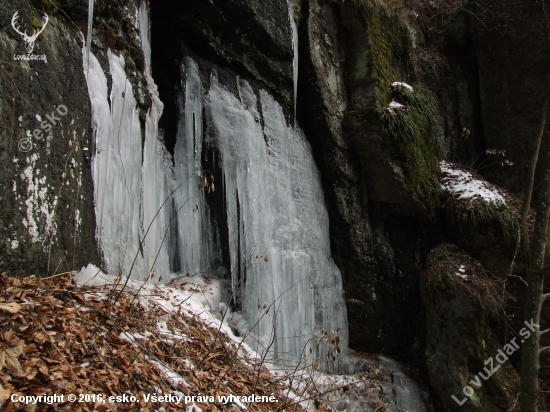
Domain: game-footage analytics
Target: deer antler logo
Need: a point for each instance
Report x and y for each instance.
(29, 40)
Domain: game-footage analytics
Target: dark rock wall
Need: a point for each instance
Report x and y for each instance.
(380, 268)
(511, 45)
(47, 220)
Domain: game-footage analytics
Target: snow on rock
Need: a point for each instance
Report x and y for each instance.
(462, 272)
(402, 84)
(40, 204)
(395, 106)
(463, 185)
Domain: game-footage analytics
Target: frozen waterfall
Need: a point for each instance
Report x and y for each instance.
(151, 212)
(282, 271)
(130, 183)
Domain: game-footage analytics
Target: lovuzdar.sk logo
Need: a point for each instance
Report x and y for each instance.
(29, 40)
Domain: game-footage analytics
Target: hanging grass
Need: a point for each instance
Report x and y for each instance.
(411, 122)
(471, 216)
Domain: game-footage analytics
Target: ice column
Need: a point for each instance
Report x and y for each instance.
(196, 247)
(291, 290)
(116, 162)
(157, 177)
(90, 25)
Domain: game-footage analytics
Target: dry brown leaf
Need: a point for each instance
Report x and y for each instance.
(4, 394)
(12, 307)
(8, 358)
(9, 335)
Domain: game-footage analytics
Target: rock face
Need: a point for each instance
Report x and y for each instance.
(350, 53)
(47, 221)
(365, 192)
(459, 297)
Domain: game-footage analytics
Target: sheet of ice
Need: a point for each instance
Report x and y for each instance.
(464, 185)
(282, 272)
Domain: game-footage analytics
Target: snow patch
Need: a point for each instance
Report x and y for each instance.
(462, 272)
(402, 84)
(465, 186)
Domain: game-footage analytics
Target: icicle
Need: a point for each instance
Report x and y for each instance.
(90, 24)
(156, 181)
(294, 29)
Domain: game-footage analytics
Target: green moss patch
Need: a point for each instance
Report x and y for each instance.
(381, 57)
(411, 122)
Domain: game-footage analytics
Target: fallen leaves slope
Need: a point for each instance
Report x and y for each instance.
(56, 338)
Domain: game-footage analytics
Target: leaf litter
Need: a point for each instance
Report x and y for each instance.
(60, 338)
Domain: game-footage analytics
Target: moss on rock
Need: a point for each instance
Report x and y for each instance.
(411, 122)
(381, 57)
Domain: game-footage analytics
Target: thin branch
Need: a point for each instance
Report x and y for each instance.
(520, 278)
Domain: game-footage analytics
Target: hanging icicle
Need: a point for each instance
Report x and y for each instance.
(294, 29)
(90, 26)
